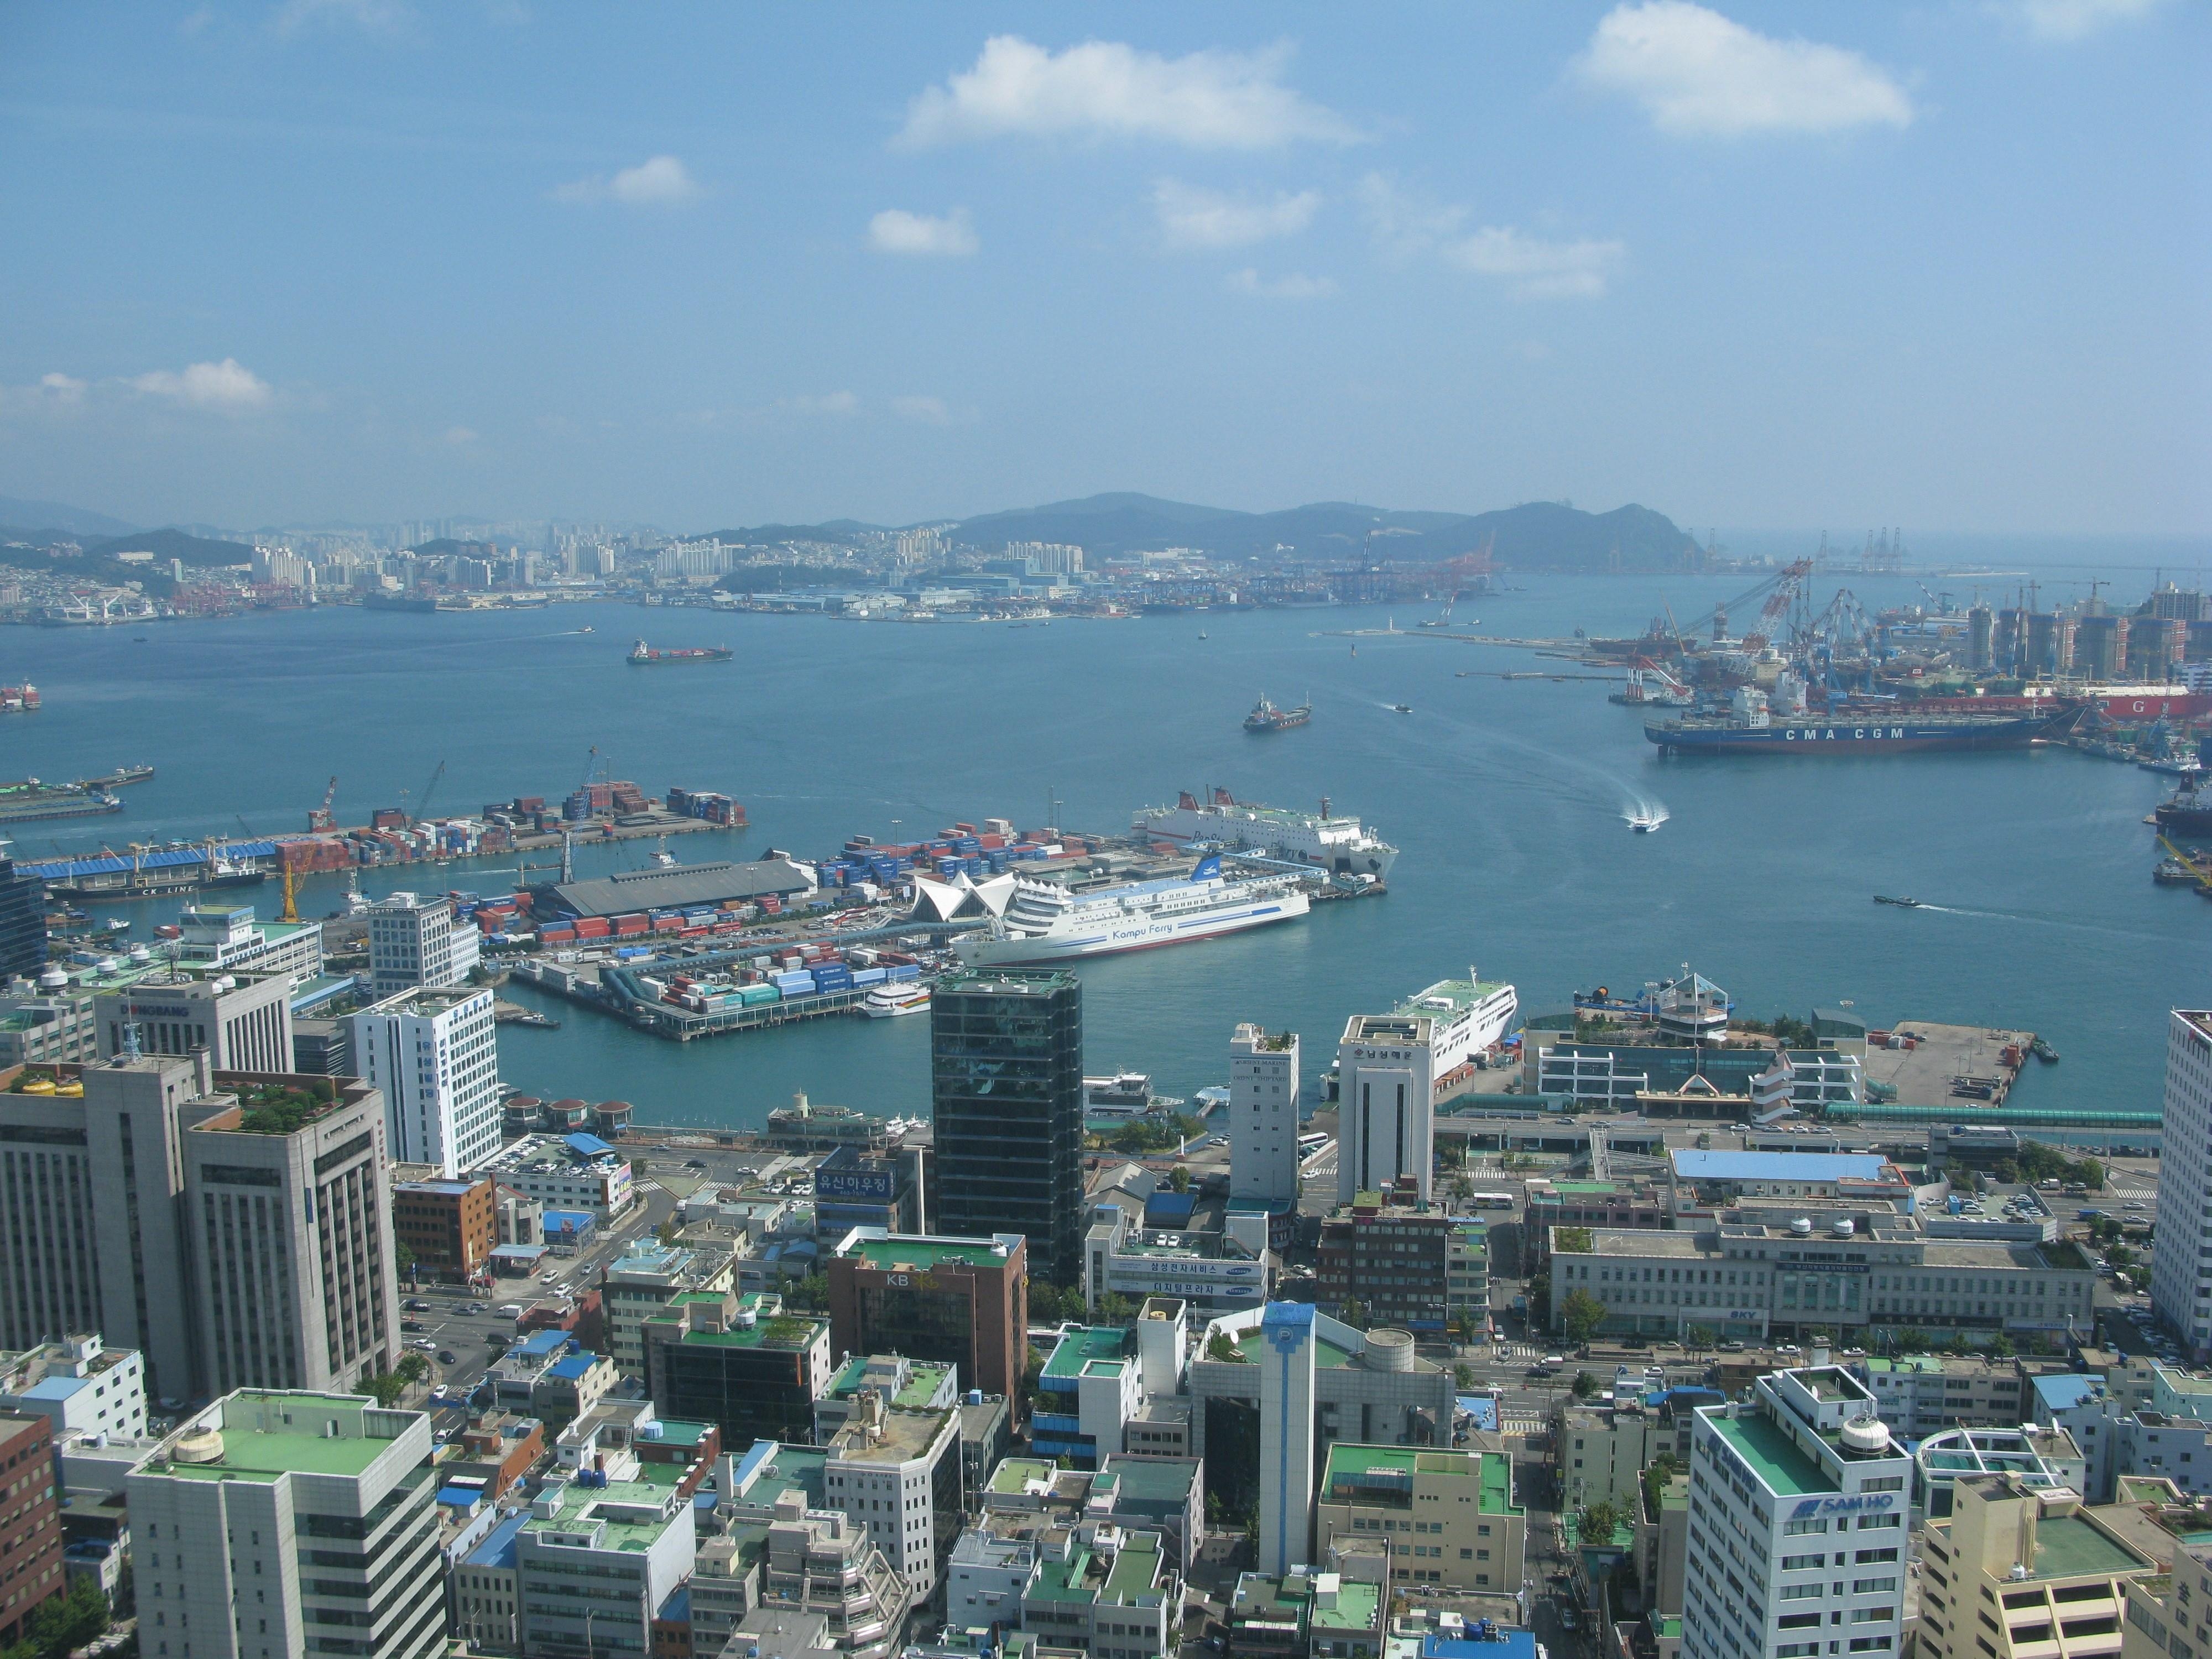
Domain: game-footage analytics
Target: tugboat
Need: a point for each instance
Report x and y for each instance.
(1266, 717)
(2043, 1051)
(1902, 903)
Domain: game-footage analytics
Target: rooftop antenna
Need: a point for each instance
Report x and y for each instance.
(132, 1052)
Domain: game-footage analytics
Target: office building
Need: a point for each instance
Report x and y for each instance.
(738, 1362)
(819, 1562)
(36, 1027)
(2035, 1457)
(243, 1020)
(564, 1172)
(484, 1590)
(1219, 1270)
(450, 1227)
(646, 1279)
(220, 938)
(1390, 1260)
(897, 1473)
(1391, 1069)
(2016, 1572)
(413, 940)
(435, 1054)
(279, 1517)
(1006, 1068)
(22, 921)
(1797, 1523)
(1446, 1519)
(600, 1556)
(1263, 1116)
(1338, 1609)
(1287, 1346)
(963, 1302)
(857, 1188)
(31, 1569)
(1919, 1393)
(2180, 1272)
(79, 1385)
(287, 1212)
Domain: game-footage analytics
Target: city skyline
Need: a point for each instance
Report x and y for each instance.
(1744, 265)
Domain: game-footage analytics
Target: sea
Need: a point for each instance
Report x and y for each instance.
(1508, 797)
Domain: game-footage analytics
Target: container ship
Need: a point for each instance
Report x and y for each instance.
(2188, 813)
(1748, 728)
(20, 803)
(643, 655)
(1266, 717)
(1325, 840)
(1044, 924)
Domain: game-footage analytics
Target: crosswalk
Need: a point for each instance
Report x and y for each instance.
(1511, 1424)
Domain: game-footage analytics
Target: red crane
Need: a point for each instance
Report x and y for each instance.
(319, 817)
(1777, 606)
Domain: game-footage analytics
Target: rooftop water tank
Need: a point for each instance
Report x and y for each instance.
(199, 1446)
(1390, 1350)
(1865, 1434)
(52, 979)
(1801, 1227)
(1845, 1226)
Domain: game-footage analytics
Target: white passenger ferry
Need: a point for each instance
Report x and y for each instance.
(904, 996)
(1324, 841)
(1044, 924)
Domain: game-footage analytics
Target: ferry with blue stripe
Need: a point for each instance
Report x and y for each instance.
(1045, 923)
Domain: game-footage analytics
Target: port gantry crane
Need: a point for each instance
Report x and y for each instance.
(319, 817)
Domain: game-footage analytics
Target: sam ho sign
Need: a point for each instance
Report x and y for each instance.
(1868, 1502)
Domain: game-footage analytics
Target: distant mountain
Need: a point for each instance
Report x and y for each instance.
(1551, 536)
(55, 515)
(174, 545)
(842, 531)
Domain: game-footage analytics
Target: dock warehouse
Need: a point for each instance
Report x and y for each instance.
(684, 887)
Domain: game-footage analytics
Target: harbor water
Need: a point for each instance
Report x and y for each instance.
(1509, 799)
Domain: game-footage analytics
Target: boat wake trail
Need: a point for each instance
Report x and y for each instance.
(1642, 809)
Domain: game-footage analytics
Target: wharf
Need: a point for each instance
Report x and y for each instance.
(1924, 1075)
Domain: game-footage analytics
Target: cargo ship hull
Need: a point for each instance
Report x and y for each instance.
(1837, 737)
(1135, 933)
(56, 803)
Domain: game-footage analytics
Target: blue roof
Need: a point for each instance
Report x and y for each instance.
(497, 1549)
(55, 1387)
(586, 1146)
(1169, 1209)
(542, 1342)
(576, 1365)
(2063, 1390)
(1694, 1165)
(461, 1497)
(677, 1607)
(1507, 1644)
(70, 869)
(1481, 1407)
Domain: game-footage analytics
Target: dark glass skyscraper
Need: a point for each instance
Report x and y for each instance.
(1007, 1082)
(22, 921)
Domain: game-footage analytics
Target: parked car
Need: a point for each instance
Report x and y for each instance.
(412, 1325)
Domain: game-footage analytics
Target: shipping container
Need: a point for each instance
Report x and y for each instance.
(870, 976)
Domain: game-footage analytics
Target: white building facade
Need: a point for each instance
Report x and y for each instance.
(413, 939)
(1799, 1518)
(1263, 1116)
(2181, 1269)
(435, 1054)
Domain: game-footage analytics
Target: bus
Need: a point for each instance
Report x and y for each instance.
(1309, 1145)
(1491, 1200)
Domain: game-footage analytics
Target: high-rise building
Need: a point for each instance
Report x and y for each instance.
(961, 1301)
(223, 1224)
(451, 1226)
(435, 1053)
(1287, 1350)
(22, 920)
(2014, 1568)
(1263, 1116)
(1007, 1064)
(1389, 1259)
(2180, 1273)
(243, 1020)
(413, 939)
(1389, 1067)
(278, 1518)
(31, 1572)
(738, 1362)
(287, 1212)
(897, 1472)
(1799, 1502)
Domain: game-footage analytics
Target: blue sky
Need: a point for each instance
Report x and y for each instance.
(1939, 264)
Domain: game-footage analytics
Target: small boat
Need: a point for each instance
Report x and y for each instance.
(1902, 903)
(2043, 1051)
(1403, 708)
(1201, 633)
(1644, 823)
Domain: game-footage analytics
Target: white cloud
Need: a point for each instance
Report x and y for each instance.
(1403, 223)
(1192, 217)
(931, 411)
(460, 436)
(1696, 72)
(375, 16)
(1106, 89)
(1534, 269)
(1293, 285)
(896, 231)
(62, 388)
(2073, 20)
(659, 181)
(227, 387)
(828, 403)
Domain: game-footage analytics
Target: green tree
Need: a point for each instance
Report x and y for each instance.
(1463, 1377)
(1580, 1315)
(1585, 1386)
(1178, 1180)
(65, 1623)
(385, 1388)
(1540, 1301)
(412, 1368)
(1219, 1347)
(811, 1294)
(1115, 1308)
(1353, 1313)
(402, 1257)
(1598, 1522)
(1698, 1337)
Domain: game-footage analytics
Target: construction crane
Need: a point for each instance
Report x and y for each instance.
(595, 766)
(1785, 594)
(422, 801)
(319, 817)
(291, 910)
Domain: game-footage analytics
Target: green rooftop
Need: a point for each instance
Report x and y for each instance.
(1585, 1188)
(1014, 1474)
(1385, 1469)
(924, 1378)
(1358, 1608)
(1328, 1355)
(266, 1436)
(924, 1254)
(1079, 1347)
(1136, 1568)
(2067, 1547)
(1772, 1454)
(629, 1510)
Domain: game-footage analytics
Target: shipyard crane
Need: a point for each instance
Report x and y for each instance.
(1786, 591)
(595, 766)
(421, 801)
(319, 817)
